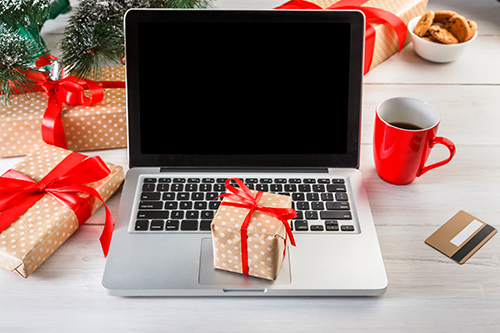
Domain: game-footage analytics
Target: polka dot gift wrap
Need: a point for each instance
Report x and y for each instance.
(386, 42)
(39, 231)
(99, 126)
(266, 238)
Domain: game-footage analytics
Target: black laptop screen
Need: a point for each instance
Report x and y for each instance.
(241, 90)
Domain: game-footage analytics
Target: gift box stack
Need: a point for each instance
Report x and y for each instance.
(42, 227)
(387, 38)
(99, 126)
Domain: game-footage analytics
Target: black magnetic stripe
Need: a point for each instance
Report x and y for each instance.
(473, 242)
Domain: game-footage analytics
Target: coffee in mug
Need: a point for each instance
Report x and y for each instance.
(405, 132)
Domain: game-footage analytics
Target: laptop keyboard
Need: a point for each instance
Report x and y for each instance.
(187, 204)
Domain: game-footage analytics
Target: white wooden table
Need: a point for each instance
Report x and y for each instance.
(427, 291)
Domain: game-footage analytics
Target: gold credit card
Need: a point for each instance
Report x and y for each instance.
(461, 236)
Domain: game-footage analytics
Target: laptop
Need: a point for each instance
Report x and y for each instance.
(272, 97)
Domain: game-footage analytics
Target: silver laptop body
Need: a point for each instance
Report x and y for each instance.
(264, 96)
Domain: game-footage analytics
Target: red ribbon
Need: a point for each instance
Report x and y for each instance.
(69, 90)
(245, 199)
(372, 14)
(19, 192)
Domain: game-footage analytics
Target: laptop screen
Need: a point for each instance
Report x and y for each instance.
(243, 88)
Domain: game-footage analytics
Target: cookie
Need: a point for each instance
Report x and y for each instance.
(473, 29)
(424, 23)
(458, 26)
(442, 35)
(443, 16)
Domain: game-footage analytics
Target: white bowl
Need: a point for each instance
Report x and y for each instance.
(436, 52)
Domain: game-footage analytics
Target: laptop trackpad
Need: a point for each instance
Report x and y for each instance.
(208, 275)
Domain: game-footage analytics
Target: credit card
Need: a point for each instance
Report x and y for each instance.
(461, 236)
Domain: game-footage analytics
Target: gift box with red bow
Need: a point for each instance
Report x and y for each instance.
(45, 198)
(250, 231)
(386, 22)
(67, 113)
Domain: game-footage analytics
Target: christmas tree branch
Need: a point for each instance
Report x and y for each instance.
(94, 36)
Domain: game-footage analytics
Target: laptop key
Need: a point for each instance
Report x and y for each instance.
(205, 187)
(298, 196)
(205, 225)
(332, 226)
(189, 225)
(327, 196)
(262, 187)
(317, 205)
(168, 196)
(207, 214)
(301, 225)
(305, 188)
(148, 187)
(192, 214)
(191, 187)
(156, 225)
(311, 215)
(200, 205)
(337, 205)
(177, 187)
(150, 196)
(341, 196)
(172, 225)
(141, 225)
(152, 214)
(171, 205)
(347, 228)
(336, 215)
(177, 214)
(317, 228)
(162, 187)
(214, 205)
(197, 196)
(151, 205)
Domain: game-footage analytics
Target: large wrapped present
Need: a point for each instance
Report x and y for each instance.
(250, 231)
(45, 198)
(386, 22)
(98, 126)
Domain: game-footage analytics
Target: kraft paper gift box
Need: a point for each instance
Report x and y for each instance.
(386, 39)
(266, 236)
(99, 126)
(47, 224)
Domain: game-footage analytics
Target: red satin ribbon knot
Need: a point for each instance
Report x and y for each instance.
(244, 199)
(69, 90)
(19, 192)
(372, 14)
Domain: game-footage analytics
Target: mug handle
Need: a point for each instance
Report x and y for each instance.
(445, 142)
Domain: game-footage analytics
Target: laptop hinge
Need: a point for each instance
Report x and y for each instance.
(243, 169)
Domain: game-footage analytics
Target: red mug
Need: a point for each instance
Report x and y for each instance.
(405, 132)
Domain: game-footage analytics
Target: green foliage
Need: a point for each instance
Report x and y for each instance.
(94, 36)
(21, 43)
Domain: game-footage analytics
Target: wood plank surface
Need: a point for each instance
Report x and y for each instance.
(427, 291)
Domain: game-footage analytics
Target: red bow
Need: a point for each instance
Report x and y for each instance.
(245, 199)
(69, 90)
(19, 192)
(372, 14)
